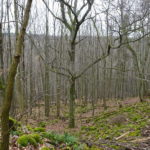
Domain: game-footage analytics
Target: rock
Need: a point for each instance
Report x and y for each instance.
(118, 120)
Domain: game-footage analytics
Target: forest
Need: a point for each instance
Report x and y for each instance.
(74, 75)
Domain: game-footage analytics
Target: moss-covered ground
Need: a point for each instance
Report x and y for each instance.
(114, 129)
(121, 126)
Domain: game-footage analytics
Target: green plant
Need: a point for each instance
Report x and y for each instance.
(39, 129)
(48, 135)
(80, 147)
(42, 124)
(60, 138)
(57, 138)
(18, 133)
(69, 139)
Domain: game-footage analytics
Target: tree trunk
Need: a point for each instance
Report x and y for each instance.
(47, 79)
(1, 48)
(1, 65)
(47, 90)
(58, 95)
(72, 104)
(72, 83)
(141, 87)
(10, 81)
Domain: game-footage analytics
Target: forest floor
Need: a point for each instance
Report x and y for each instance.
(126, 128)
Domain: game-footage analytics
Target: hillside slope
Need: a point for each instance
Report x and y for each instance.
(128, 127)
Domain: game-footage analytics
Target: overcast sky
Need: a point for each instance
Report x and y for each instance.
(37, 19)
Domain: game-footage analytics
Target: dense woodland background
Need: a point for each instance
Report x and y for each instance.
(46, 51)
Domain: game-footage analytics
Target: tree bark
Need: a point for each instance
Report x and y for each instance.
(1, 65)
(72, 104)
(47, 78)
(1, 48)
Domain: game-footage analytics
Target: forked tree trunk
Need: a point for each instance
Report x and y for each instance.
(11, 79)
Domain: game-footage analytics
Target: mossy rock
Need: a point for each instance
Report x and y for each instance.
(13, 124)
(118, 120)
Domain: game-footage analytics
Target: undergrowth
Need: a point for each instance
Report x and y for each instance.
(112, 124)
(108, 125)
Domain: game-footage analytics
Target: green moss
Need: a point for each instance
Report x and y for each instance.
(95, 148)
(116, 147)
(29, 139)
(135, 133)
(83, 109)
(13, 124)
(45, 148)
(42, 124)
(102, 128)
(39, 129)
(2, 85)
(26, 140)
(52, 122)
(37, 137)
(29, 128)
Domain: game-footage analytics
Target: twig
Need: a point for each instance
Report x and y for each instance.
(123, 135)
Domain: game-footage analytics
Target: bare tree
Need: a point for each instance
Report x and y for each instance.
(47, 86)
(1, 52)
(11, 79)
